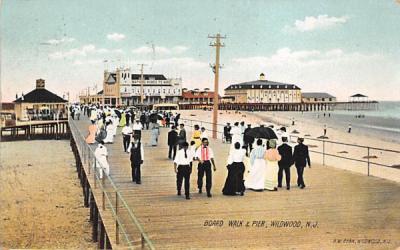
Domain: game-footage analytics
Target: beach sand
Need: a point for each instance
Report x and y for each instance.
(310, 130)
(41, 201)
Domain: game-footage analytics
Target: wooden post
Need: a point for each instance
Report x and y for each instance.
(217, 44)
(323, 152)
(116, 221)
(104, 200)
(102, 234)
(95, 223)
(368, 160)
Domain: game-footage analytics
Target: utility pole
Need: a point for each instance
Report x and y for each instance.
(217, 44)
(141, 83)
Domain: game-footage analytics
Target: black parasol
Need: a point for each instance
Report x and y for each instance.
(262, 132)
(118, 113)
(154, 117)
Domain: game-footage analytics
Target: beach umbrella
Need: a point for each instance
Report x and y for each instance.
(262, 132)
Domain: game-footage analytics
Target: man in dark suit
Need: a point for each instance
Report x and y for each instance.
(182, 135)
(285, 163)
(301, 158)
(172, 142)
(227, 133)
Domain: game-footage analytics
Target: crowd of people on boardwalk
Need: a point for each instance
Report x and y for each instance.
(269, 159)
(103, 129)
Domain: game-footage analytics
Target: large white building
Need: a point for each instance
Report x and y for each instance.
(121, 87)
(156, 88)
(263, 91)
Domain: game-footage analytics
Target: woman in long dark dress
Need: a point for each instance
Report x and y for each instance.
(234, 183)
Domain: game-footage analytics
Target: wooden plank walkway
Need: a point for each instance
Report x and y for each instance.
(343, 206)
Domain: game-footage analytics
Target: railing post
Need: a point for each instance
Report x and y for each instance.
(116, 221)
(104, 200)
(368, 160)
(94, 174)
(323, 152)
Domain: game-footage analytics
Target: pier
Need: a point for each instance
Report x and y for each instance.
(336, 205)
(311, 106)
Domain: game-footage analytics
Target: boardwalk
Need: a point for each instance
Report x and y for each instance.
(338, 204)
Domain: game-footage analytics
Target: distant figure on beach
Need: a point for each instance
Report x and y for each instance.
(301, 158)
(101, 155)
(126, 136)
(256, 178)
(272, 157)
(293, 121)
(183, 169)
(325, 129)
(172, 142)
(285, 163)
(137, 158)
(196, 136)
(155, 132)
(349, 129)
(90, 138)
(205, 156)
(227, 133)
(329, 114)
(234, 183)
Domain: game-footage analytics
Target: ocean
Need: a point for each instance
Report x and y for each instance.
(383, 123)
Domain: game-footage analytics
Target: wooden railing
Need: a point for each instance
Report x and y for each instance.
(36, 131)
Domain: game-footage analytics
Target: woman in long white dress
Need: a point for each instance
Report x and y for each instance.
(101, 155)
(256, 178)
(155, 132)
(115, 122)
(110, 133)
(272, 157)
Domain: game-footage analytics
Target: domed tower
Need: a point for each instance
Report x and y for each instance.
(262, 77)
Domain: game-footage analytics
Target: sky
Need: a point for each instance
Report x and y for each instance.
(341, 47)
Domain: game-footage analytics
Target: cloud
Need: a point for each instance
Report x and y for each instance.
(116, 37)
(85, 50)
(336, 71)
(60, 41)
(311, 23)
(144, 50)
(88, 62)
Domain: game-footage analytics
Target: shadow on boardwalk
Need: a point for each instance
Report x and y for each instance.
(337, 205)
